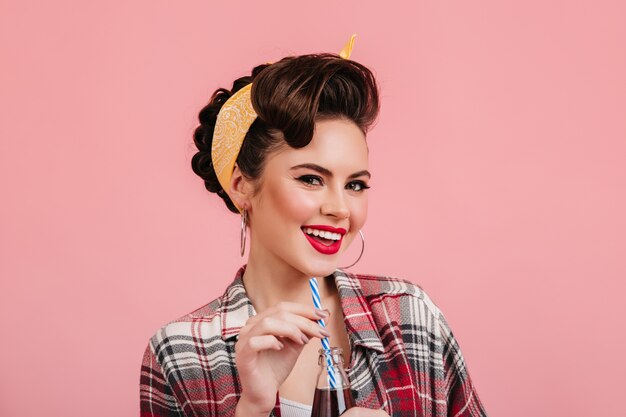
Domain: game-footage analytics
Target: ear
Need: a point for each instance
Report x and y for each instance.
(241, 189)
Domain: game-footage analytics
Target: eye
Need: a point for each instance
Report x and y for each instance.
(357, 186)
(310, 179)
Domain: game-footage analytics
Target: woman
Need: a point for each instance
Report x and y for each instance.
(286, 148)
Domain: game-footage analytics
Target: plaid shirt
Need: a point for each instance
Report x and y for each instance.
(404, 358)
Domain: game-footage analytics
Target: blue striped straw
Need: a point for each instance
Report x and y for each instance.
(317, 301)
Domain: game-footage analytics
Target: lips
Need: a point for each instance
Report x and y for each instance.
(321, 247)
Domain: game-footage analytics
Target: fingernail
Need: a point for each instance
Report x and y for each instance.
(324, 332)
(321, 313)
(305, 339)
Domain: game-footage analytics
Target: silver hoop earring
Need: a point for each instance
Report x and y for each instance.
(360, 254)
(244, 230)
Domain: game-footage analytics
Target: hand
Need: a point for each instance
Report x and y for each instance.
(364, 412)
(267, 350)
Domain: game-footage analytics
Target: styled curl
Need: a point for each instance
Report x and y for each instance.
(289, 97)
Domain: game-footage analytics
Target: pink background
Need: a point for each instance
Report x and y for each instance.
(498, 186)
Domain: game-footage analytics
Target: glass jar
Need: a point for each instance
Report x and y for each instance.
(333, 395)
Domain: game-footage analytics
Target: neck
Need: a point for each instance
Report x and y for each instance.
(269, 280)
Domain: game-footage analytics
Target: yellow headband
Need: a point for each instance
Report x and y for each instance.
(233, 121)
(232, 124)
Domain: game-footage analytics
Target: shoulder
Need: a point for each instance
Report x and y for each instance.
(205, 321)
(392, 289)
(207, 313)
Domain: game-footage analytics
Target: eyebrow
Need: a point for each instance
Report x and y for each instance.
(328, 173)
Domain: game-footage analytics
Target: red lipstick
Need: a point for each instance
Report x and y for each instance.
(319, 246)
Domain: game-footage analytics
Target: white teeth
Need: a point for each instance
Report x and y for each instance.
(322, 233)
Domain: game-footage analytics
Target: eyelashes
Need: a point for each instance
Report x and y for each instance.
(361, 185)
(310, 179)
(314, 181)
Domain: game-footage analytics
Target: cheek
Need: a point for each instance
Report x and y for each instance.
(358, 212)
(293, 204)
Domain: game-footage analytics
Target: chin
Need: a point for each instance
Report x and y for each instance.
(320, 271)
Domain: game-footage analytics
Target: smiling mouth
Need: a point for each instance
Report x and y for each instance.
(323, 236)
(326, 242)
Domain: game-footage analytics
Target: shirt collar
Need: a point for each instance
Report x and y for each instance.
(356, 310)
(236, 309)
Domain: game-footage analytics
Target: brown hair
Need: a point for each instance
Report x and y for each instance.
(289, 96)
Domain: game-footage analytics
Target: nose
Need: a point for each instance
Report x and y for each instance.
(335, 205)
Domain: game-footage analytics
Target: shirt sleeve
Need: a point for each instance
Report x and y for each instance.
(156, 398)
(463, 400)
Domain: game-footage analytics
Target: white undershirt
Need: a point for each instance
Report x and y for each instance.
(290, 408)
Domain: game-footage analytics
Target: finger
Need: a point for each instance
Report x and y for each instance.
(291, 312)
(279, 328)
(309, 327)
(265, 342)
(305, 317)
(303, 310)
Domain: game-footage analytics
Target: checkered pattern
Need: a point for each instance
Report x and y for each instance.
(405, 358)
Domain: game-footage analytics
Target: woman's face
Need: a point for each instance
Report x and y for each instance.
(312, 201)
